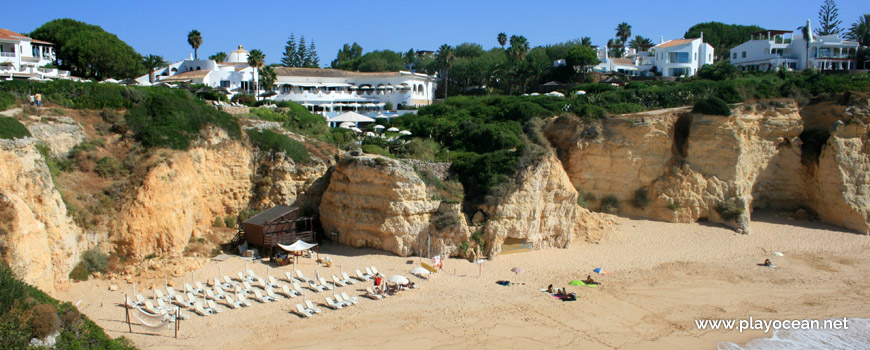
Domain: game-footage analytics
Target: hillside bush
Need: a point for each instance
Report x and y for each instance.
(268, 140)
(712, 106)
(609, 204)
(110, 167)
(45, 320)
(728, 209)
(11, 128)
(641, 198)
(95, 260)
(6, 100)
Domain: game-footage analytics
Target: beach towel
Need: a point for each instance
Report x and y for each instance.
(503, 283)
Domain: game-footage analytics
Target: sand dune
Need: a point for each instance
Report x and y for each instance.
(663, 277)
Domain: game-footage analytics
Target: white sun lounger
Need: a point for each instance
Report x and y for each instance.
(273, 282)
(259, 282)
(197, 307)
(351, 299)
(161, 305)
(228, 301)
(339, 300)
(243, 300)
(150, 308)
(181, 302)
(316, 287)
(170, 292)
(332, 304)
(360, 276)
(370, 293)
(158, 294)
(259, 296)
(369, 272)
(347, 279)
(375, 270)
(243, 278)
(337, 282)
(290, 277)
(298, 289)
(251, 274)
(214, 296)
(199, 287)
(270, 293)
(211, 306)
(287, 292)
(311, 306)
(228, 281)
(302, 277)
(303, 312)
(323, 283)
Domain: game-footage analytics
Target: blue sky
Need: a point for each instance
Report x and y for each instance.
(161, 27)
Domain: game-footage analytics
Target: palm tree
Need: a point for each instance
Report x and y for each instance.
(444, 57)
(640, 43)
(623, 31)
(860, 32)
(502, 39)
(805, 31)
(586, 41)
(152, 62)
(256, 59)
(194, 38)
(519, 47)
(267, 77)
(218, 57)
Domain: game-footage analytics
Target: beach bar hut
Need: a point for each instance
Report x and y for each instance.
(280, 224)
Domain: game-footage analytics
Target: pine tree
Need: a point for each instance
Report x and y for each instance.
(313, 60)
(828, 22)
(289, 52)
(301, 53)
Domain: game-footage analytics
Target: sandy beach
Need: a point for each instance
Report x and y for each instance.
(663, 277)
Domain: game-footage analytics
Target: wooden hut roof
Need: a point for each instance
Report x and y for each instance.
(270, 214)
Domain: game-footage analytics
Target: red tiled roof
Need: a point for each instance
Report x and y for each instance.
(10, 35)
(195, 74)
(671, 43)
(623, 61)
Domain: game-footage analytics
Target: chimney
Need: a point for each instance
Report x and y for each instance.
(702, 37)
(662, 39)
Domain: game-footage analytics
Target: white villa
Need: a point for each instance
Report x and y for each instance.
(23, 58)
(682, 57)
(772, 49)
(673, 58)
(331, 90)
(324, 91)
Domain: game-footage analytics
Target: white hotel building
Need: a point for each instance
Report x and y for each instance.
(324, 91)
(772, 49)
(23, 58)
(682, 57)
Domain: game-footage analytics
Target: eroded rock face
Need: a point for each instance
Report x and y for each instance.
(182, 196)
(377, 202)
(38, 240)
(690, 164)
(61, 134)
(542, 211)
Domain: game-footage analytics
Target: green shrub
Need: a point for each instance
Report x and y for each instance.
(624, 108)
(373, 149)
(268, 140)
(609, 204)
(247, 214)
(728, 209)
(45, 320)
(95, 260)
(712, 106)
(6, 101)
(641, 198)
(673, 205)
(230, 221)
(218, 222)
(11, 128)
(581, 198)
(110, 167)
(119, 124)
(79, 273)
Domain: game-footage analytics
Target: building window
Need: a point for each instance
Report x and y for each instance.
(678, 57)
(696, 56)
(744, 54)
(735, 56)
(225, 83)
(246, 85)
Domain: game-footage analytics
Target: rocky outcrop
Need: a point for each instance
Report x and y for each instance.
(377, 202)
(38, 241)
(61, 134)
(679, 166)
(182, 195)
(281, 181)
(541, 210)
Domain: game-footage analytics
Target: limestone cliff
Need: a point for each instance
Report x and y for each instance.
(541, 210)
(678, 166)
(182, 195)
(378, 202)
(37, 239)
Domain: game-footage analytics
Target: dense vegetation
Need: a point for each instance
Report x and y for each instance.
(490, 137)
(11, 128)
(722, 36)
(158, 117)
(269, 140)
(89, 51)
(27, 312)
(6, 100)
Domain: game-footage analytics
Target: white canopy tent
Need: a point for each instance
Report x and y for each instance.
(297, 247)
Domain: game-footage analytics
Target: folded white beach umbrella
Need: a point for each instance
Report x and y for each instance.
(419, 271)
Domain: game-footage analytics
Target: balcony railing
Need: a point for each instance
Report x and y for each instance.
(7, 54)
(825, 55)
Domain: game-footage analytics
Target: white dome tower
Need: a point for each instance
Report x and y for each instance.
(238, 56)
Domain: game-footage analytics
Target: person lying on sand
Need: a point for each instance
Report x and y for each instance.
(550, 289)
(589, 280)
(767, 263)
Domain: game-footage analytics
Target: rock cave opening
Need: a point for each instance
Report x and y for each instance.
(811, 148)
(681, 136)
